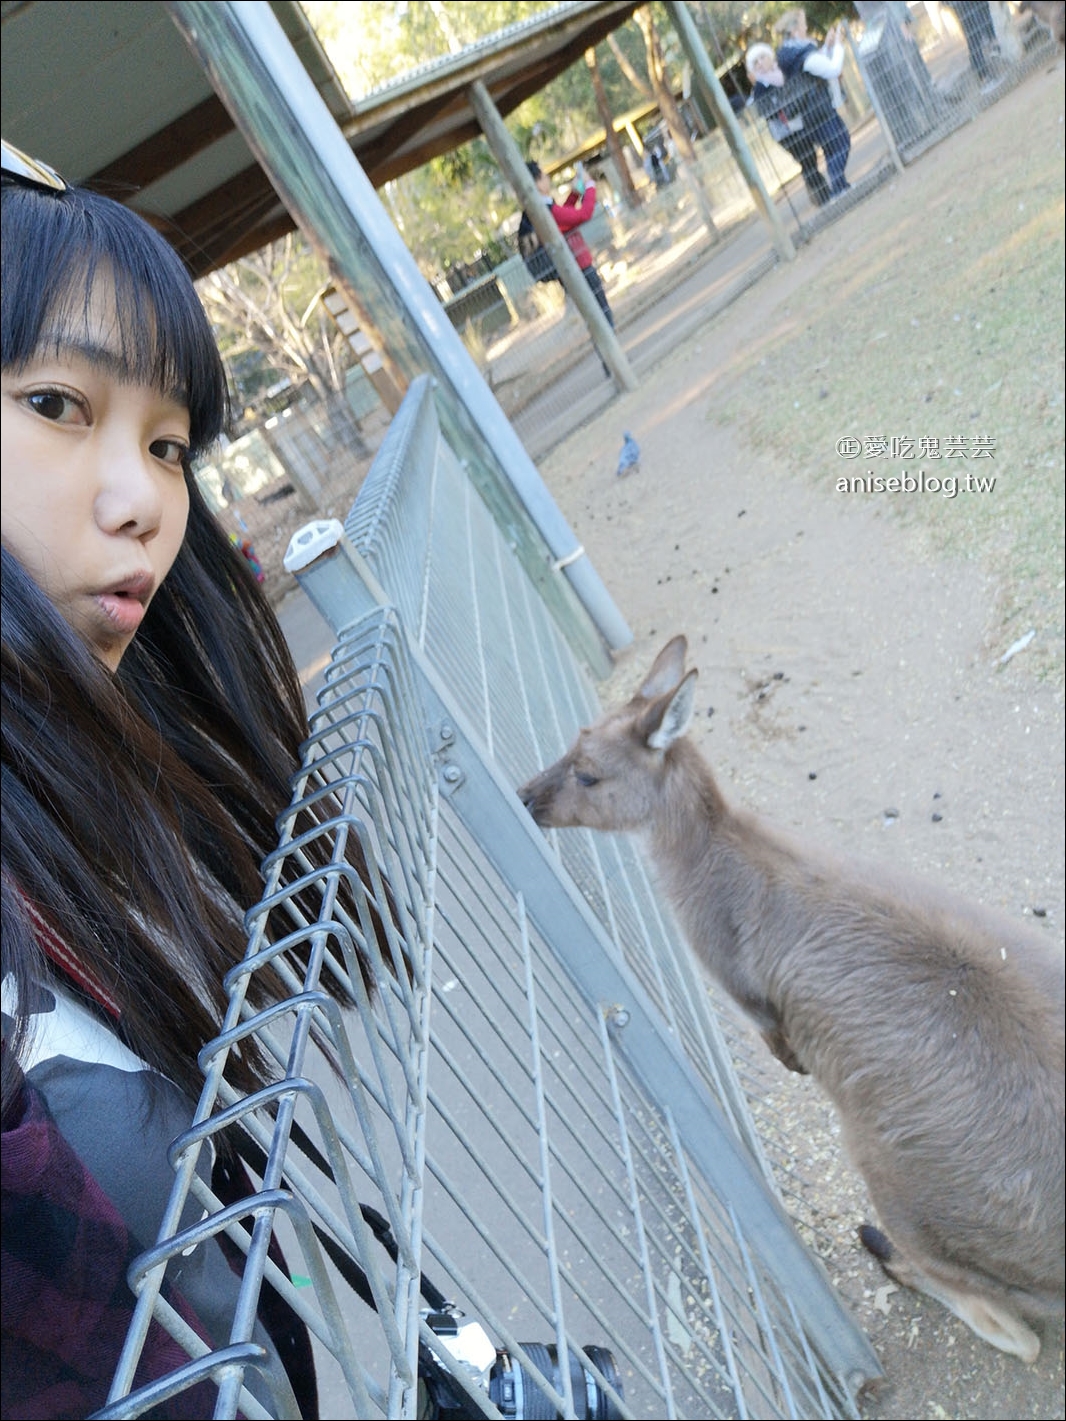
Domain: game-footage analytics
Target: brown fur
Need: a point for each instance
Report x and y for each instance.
(936, 1029)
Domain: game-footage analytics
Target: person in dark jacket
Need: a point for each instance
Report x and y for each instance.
(784, 119)
(812, 74)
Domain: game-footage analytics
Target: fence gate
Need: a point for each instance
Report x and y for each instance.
(534, 1119)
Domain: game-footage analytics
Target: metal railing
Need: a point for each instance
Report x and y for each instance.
(536, 1097)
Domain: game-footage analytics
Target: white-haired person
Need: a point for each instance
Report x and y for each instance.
(801, 59)
(784, 118)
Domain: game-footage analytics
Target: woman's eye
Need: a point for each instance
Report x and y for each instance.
(58, 406)
(170, 451)
(586, 781)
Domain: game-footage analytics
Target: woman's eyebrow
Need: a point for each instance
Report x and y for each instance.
(63, 345)
(102, 357)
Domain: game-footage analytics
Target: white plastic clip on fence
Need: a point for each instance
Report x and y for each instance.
(569, 559)
(311, 541)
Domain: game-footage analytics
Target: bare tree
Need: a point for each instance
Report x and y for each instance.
(269, 303)
(614, 145)
(660, 88)
(635, 78)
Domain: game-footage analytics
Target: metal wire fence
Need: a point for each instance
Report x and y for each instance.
(912, 75)
(531, 1114)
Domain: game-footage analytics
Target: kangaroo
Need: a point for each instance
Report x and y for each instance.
(935, 1029)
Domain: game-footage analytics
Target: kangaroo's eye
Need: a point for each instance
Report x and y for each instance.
(586, 780)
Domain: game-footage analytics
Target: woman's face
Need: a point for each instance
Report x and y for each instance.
(94, 495)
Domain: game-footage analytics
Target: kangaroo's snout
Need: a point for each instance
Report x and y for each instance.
(536, 795)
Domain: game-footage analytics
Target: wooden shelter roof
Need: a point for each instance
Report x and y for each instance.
(110, 95)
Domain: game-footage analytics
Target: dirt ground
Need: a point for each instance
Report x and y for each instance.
(868, 676)
(860, 671)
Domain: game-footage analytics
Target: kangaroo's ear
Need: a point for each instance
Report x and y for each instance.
(665, 675)
(667, 719)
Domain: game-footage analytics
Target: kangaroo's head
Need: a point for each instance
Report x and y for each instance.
(612, 776)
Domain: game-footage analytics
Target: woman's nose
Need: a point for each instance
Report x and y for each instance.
(130, 494)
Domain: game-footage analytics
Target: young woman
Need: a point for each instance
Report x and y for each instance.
(151, 721)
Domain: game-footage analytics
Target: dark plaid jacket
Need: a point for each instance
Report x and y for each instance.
(66, 1301)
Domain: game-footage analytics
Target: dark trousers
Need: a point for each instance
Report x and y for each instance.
(806, 155)
(832, 136)
(592, 276)
(836, 145)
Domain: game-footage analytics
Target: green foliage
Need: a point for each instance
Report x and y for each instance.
(451, 208)
(454, 206)
(729, 26)
(378, 40)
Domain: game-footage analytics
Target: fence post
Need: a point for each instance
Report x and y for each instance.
(715, 95)
(507, 154)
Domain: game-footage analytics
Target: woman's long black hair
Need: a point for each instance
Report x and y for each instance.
(138, 806)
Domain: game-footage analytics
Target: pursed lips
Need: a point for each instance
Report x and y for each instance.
(124, 602)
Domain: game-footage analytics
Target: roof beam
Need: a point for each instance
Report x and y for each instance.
(165, 150)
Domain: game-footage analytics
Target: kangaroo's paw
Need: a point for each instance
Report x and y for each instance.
(989, 1318)
(996, 1324)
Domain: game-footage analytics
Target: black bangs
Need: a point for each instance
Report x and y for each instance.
(56, 246)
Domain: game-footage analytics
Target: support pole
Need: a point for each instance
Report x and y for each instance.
(711, 87)
(273, 101)
(507, 154)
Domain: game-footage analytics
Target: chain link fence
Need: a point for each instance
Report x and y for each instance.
(912, 75)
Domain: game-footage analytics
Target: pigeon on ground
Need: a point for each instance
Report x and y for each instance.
(629, 459)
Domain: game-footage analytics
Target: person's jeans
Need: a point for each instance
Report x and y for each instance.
(592, 276)
(836, 145)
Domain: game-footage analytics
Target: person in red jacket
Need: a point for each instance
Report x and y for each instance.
(569, 217)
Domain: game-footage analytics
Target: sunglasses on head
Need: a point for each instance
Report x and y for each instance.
(19, 167)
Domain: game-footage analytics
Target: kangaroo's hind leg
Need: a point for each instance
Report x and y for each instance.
(989, 1317)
